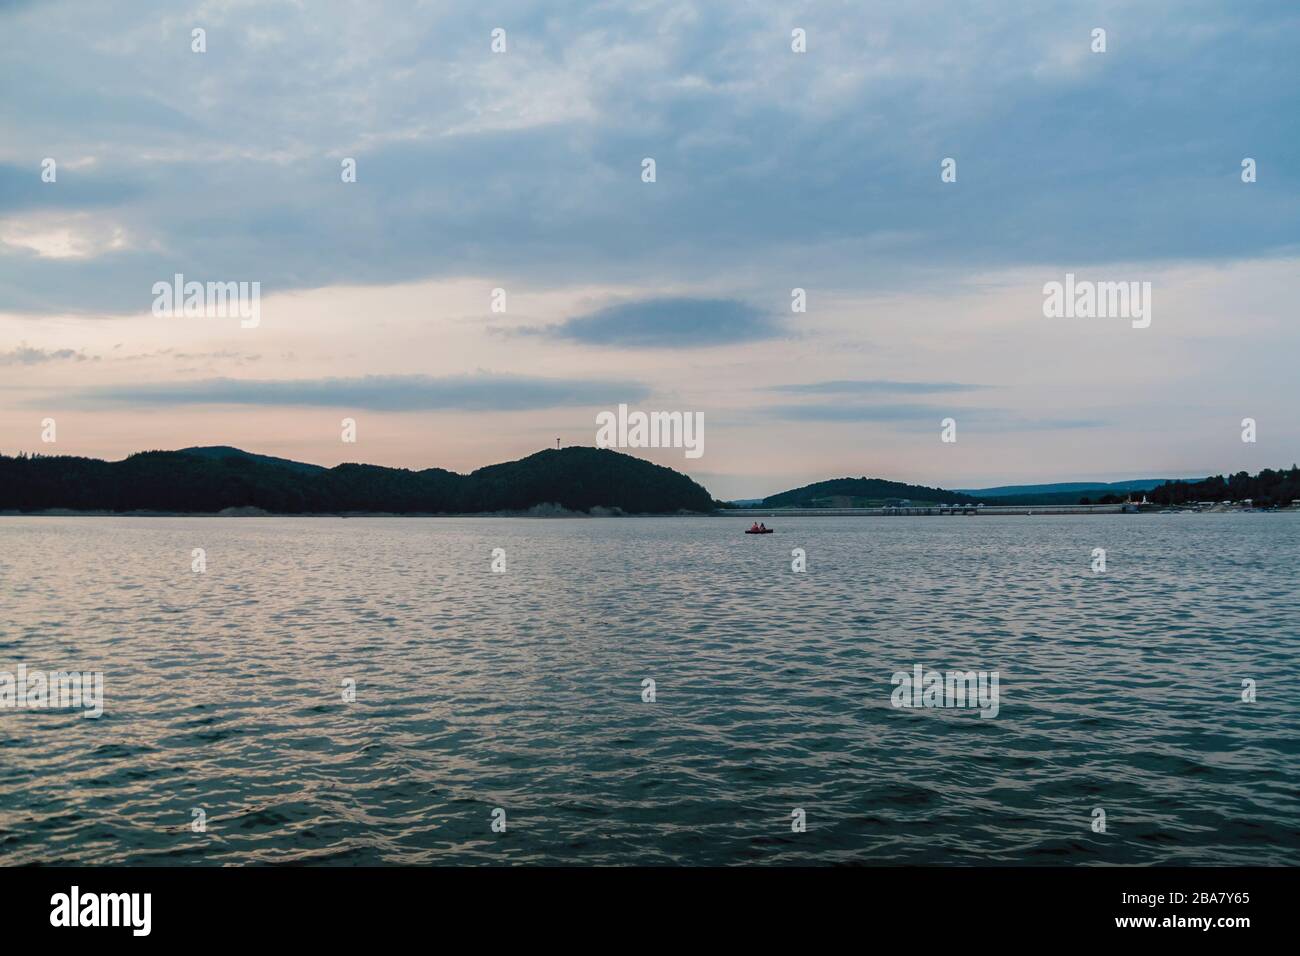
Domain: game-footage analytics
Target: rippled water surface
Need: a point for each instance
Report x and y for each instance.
(523, 690)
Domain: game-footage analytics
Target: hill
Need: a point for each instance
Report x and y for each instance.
(226, 451)
(210, 480)
(862, 493)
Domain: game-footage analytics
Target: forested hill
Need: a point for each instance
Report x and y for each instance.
(862, 493)
(211, 480)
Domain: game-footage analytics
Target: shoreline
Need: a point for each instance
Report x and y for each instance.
(259, 513)
(1044, 511)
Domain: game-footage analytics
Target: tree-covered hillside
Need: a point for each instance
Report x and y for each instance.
(862, 493)
(576, 478)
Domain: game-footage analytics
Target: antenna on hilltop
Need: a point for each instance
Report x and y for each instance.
(557, 444)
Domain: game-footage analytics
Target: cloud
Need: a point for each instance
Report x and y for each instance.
(983, 418)
(26, 355)
(674, 323)
(76, 236)
(868, 386)
(819, 169)
(393, 393)
(846, 412)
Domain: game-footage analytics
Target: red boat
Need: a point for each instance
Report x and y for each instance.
(758, 529)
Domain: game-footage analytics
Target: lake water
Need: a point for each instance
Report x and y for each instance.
(224, 690)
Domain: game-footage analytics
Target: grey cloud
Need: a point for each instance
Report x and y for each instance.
(786, 170)
(86, 190)
(239, 358)
(394, 393)
(26, 355)
(847, 412)
(869, 386)
(983, 418)
(677, 322)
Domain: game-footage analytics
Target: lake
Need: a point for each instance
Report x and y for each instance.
(229, 731)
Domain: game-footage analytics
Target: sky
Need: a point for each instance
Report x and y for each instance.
(501, 271)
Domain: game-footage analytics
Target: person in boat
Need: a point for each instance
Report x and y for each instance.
(754, 527)
(761, 526)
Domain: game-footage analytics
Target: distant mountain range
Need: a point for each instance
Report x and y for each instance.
(1271, 488)
(1079, 487)
(875, 492)
(1067, 492)
(211, 480)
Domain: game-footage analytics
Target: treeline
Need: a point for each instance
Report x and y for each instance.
(578, 479)
(1268, 489)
